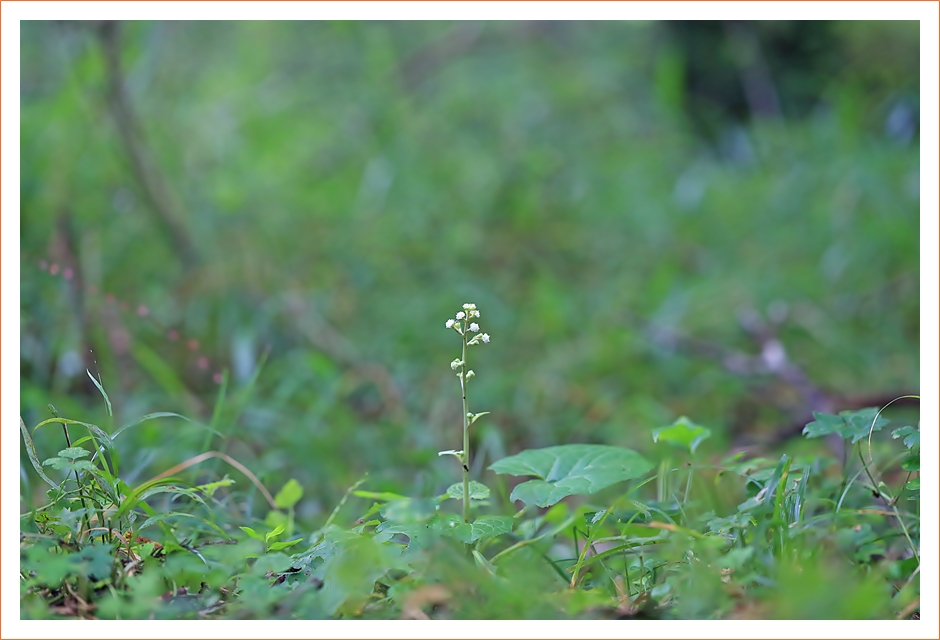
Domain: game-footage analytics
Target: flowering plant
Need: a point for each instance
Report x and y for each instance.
(468, 329)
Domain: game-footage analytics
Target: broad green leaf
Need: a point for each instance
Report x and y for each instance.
(570, 469)
(853, 425)
(682, 433)
(478, 491)
(911, 463)
(289, 494)
(452, 525)
(419, 534)
(911, 436)
(409, 510)
(350, 572)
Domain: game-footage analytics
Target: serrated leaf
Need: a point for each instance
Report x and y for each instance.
(850, 425)
(65, 464)
(570, 469)
(863, 422)
(289, 495)
(911, 436)
(478, 491)
(823, 425)
(452, 525)
(682, 433)
(73, 453)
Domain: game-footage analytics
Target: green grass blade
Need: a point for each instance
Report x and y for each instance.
(33, 458)
(104, 394)
(163, 414)
(95, 430)
(217, 410)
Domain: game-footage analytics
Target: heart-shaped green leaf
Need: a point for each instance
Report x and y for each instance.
(478, 491)
(570, 469)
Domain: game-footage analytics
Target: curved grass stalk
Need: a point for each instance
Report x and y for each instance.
(202, 457)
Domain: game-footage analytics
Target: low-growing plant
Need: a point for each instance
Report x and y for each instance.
(589, 531)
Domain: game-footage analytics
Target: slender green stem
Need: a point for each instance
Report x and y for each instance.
(524, 543)
(466, 427)
(78, 484)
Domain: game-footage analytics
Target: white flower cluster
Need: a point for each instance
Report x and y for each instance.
(459, 321)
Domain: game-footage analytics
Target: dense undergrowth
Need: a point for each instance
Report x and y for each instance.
(602, 532)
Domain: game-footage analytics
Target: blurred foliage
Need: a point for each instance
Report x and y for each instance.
(342, 186)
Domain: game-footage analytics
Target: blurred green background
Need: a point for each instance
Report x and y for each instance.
(296, 208)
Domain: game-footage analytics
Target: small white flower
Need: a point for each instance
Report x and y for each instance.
(460, 315)
(470, 374)
(485, 337)
(474, 326)
(449, 323)
(474, 314)
(469, 305)
(456, 364)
